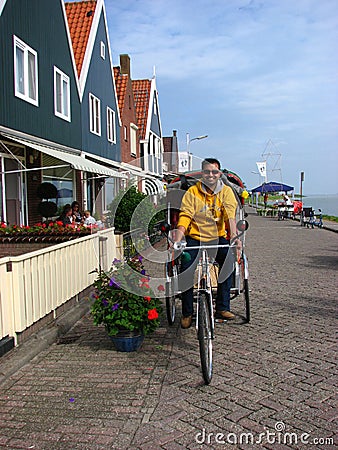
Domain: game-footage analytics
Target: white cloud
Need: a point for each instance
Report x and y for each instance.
(263, 66)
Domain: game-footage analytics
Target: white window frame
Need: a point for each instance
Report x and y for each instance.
(103, 50)
(133, 139)
(111, 125)
(94, 114)
(62, 90)
(29, 74)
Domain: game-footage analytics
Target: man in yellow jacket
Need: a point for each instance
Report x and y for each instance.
(207, 216)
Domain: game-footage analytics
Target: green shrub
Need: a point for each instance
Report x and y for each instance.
(132, 209)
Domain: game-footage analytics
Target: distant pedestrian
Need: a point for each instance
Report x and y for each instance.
(312, 219)
(320, 218)
(265, 200)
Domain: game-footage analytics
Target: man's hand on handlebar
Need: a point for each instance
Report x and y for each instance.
(236, 241)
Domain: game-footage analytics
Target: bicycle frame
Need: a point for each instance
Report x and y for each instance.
(203, 277)
(204, 284)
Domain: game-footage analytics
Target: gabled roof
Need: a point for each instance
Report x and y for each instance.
(80, 17)
(83, 21)
(121, 81)
(142, 92)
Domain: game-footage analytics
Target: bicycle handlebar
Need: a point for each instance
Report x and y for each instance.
(182, 245)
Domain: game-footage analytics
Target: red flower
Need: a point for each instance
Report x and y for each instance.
(160, 287)
(59, 223)
(147, 299)
(152, 314)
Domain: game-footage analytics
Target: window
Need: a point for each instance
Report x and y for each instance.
(111, 135)
(62, 178)
(25, 72)
(95, 114)
(103, 50)
(125, 133)
(133, 139)
(61, 94)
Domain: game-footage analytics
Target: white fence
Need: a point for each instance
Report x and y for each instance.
(37, 283)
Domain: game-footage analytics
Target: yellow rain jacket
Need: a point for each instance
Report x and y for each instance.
(206, 216)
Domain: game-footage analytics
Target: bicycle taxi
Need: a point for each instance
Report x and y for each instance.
(206, 271)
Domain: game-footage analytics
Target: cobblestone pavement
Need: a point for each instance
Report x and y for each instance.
(273, 383)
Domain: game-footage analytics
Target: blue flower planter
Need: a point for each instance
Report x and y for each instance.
(127, 342)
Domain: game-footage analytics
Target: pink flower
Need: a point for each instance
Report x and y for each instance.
(160, 288)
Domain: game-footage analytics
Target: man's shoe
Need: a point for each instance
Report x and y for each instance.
(186, 322)
(227, 315)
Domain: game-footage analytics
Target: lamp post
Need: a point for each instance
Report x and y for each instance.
(301, 185)
(198, 138)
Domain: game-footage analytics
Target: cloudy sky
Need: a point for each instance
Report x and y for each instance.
(257, 76)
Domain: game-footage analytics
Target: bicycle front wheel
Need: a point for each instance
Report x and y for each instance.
(245, 288)
(170, 294)
(204, 334)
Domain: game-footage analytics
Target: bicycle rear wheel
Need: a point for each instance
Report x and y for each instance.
(204, 334)
(170, 293)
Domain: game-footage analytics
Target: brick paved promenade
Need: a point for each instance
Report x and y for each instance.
(272, 377)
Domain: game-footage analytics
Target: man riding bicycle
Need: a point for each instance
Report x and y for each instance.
(207, 215)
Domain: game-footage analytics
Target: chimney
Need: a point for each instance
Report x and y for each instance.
(125, 64)
(174, 132)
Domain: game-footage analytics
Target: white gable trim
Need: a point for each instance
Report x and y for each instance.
(70, 45)
(152, 96)
(89, 49)
(111, 64)
(100, 9)
(2, 5)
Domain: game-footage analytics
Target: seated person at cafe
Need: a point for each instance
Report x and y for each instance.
(88, 219)
(66, 216)
(77, 216)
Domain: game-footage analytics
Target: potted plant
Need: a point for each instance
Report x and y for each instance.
(125, 303)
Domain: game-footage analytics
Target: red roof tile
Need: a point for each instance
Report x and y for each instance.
(121, 81)
(80, 17)
(141, 89)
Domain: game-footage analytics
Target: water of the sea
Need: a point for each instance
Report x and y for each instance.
(327, 203)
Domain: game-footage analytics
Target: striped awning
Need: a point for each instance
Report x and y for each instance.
(76, 161)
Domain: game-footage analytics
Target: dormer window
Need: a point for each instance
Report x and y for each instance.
(103, 50)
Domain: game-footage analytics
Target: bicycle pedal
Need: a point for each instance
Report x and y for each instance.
(220, 320)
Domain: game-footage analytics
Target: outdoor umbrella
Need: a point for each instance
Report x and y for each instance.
(273, 186)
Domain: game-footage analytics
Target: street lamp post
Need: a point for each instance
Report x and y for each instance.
(198, 138)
